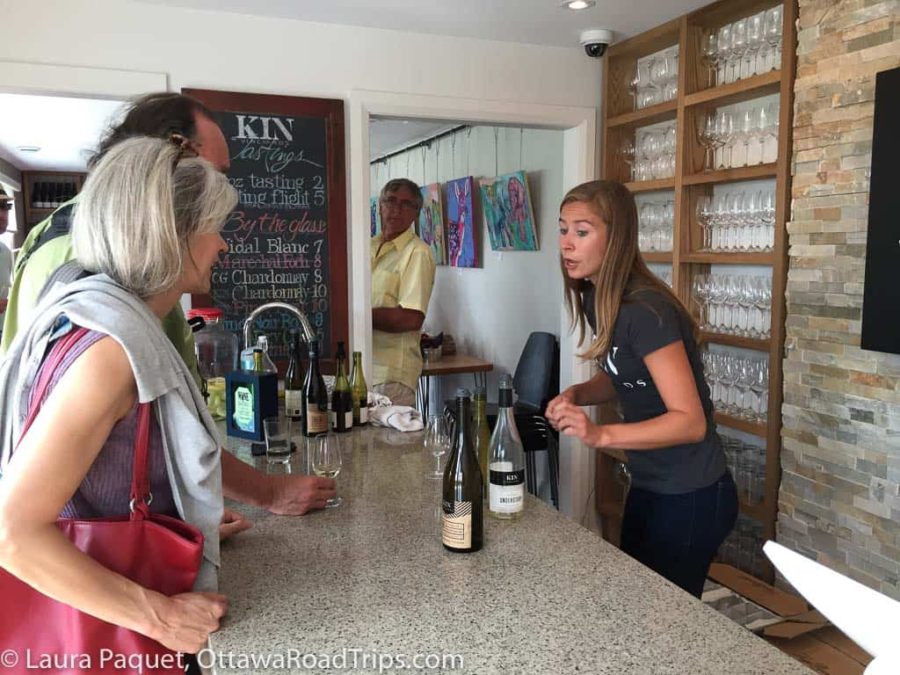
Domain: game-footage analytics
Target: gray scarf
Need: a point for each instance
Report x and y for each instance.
(189, 436)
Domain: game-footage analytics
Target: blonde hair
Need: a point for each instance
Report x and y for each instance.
(139, 208)
(623, 271)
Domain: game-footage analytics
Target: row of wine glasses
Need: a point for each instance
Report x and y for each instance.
(744, 138)
(739, 386)
(655, 222)
(747, 47)
(655, 79)
(737, 221)
(652, 154)
(747, 463)
(734, 304)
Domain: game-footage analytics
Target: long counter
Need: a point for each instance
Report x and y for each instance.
(369, 581)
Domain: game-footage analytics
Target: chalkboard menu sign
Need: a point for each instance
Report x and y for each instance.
(287, 237)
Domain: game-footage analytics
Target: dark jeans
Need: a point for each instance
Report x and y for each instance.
(677, 536)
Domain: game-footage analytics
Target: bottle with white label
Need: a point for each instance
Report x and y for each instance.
(506, 490)
(462, 520)
(293, 381)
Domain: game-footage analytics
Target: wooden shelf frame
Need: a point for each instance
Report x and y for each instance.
(695, 96)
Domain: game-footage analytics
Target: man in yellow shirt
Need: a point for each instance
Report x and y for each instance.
(402, 279)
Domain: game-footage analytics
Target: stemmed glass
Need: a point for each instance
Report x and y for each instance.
(773, 34)
(709, 139)
(756, 39)
(738, 48)
(723, 38)
(436, 443)
(711, 56)
(327, 461)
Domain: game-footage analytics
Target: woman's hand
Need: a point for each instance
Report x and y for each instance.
(567, 396)
(571, 420)
(232, 523)
(184, 622)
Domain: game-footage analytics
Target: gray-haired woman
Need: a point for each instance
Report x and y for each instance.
(148, 226)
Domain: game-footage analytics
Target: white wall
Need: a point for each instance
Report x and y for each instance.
(251, 54)
(491, 310)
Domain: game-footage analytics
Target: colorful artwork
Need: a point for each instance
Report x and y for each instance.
(375, 216)
(508, 216)
(431, 222)
(461, 250)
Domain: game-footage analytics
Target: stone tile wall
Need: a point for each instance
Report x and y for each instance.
(840, 493)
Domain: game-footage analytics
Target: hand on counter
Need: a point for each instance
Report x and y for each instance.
(283, 495)
(184, 621)
(232, 523)
(296, 495)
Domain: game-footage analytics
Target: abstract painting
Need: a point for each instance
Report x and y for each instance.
(375, 216)
(508, 217)
(461, 250)
(431, 222)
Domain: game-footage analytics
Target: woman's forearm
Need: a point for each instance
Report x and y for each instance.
(671, 428)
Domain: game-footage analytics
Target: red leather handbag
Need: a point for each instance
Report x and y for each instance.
(156, 551)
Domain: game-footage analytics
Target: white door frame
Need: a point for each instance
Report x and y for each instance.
(579, 164)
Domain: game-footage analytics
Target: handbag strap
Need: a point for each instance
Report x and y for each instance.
(140, 496)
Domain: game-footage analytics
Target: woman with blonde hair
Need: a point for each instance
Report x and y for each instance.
(148, 229)
(682, 502)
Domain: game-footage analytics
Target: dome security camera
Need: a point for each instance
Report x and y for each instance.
(595, 41)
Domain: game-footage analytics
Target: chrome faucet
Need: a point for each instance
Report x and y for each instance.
(308, 333)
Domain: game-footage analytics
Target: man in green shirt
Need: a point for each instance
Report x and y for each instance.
(48, 246)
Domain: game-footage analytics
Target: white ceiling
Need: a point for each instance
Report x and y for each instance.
(65, 129)
(542, 22)
(388, 135)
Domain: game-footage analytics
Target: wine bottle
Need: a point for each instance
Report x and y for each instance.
(315, 396)
(341, 397)
(54, 195)
(462, 520)
(482, 433)
(360, 392)
(41, 192)
(268, 364)
(293, 381)
(506, 489)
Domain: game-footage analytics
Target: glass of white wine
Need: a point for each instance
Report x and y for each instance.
(326, 461)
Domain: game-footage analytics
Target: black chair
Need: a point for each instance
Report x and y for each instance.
(535, 381)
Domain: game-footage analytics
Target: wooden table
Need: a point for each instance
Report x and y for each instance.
(453, 364)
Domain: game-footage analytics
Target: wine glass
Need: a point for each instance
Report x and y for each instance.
(327, 461)
(773, 30)
(436, 443)
(756, 39)
(711, 56)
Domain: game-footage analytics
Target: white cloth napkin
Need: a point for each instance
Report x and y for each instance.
(399, 417)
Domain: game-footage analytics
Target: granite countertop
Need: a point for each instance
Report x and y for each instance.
(370, 579)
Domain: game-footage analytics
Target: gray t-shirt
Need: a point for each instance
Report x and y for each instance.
(648, 321)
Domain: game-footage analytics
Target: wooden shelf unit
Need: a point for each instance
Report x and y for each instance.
(695, 97)
(34, 215)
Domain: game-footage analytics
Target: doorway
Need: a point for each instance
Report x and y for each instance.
(578, 133)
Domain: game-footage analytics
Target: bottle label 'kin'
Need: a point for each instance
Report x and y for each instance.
(456, 525)
(506, 492)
